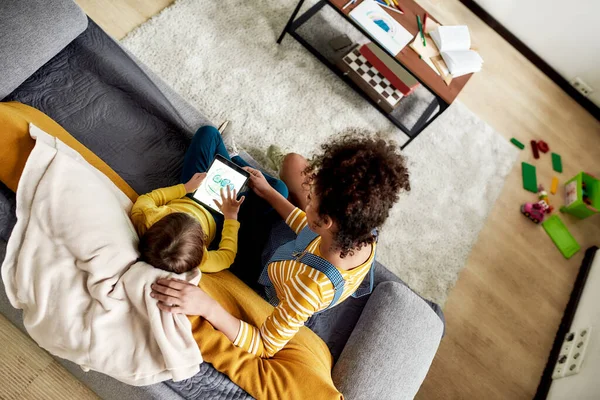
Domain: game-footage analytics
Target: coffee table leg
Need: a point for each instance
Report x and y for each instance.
(289, 23)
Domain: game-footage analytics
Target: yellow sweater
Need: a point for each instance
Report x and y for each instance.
(302, 291)
(151, 207)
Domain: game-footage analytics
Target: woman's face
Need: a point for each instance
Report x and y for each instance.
(318, 224)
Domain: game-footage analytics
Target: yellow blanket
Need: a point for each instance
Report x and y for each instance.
(302, 370)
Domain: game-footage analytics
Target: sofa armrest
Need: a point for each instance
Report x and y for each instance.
(33, 32)
(391, 348)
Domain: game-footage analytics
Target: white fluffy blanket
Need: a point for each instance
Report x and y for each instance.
(71, 265)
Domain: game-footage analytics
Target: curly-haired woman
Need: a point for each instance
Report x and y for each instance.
(338, 199)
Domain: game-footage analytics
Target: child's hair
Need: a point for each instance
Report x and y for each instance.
(175, 243)
(357, 181)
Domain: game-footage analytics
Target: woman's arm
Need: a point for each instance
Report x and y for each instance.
(261, 187)
(182, 297)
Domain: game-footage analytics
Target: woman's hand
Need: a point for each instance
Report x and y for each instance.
(181, 297)
(258, 182)
(194, 182)
(230, 206)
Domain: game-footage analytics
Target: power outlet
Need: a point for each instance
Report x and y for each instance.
(572, 353)
(581, 86)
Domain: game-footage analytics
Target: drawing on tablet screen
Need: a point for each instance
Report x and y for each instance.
(216, 181)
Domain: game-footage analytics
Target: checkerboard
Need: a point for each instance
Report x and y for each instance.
(358, 63)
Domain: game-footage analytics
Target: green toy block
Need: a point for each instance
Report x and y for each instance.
(561, 236)
(529, 177)
(517, 143)
(556, 162)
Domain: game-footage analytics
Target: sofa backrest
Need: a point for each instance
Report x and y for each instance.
(31, 33)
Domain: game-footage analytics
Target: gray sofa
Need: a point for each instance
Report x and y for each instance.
(54, 58)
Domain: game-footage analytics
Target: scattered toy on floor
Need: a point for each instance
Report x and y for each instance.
(582, 196)
(534, 150)
(517, 143)
(537, 211)
(542, 146)
(529, 177)
(561, 236)
(556, 162)
(554, 186)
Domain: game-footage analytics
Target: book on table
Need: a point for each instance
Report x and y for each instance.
(454, 44)
(382, 26)
(388, 67)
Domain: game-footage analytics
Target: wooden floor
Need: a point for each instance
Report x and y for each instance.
(505, 309)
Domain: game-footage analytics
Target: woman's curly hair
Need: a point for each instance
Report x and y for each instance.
(357, 180)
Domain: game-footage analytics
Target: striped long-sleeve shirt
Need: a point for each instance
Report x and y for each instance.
(302, 291)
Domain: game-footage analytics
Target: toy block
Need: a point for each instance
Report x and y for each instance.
(534, 150)
(529, 177)
(542, 146)
(554, 186)
(517, 143)
(560, 235)
(556, 162)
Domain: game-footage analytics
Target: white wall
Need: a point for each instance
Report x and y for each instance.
(586, 384)
(565, 34)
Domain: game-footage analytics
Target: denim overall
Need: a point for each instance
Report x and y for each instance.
(296, 250)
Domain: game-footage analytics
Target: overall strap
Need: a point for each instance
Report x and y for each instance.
(296, 250)
(360, 292)
(325, 267)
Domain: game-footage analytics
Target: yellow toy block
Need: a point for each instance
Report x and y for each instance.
(554, 186)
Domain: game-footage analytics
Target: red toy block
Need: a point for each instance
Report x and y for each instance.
(542, 146)
(534, 149)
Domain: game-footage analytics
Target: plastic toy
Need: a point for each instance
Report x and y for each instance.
(534, 150)
(556, 162)
(582, 196)
(537, 211)
(554, 186)
(529, 177)
(560, 235)
(517, 143)
(542, 146)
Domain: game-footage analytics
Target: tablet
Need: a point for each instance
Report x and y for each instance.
(222, 173)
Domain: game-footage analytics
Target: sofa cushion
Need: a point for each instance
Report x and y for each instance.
(32, 32)
(397, 330)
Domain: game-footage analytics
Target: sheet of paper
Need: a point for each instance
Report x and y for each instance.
(442, 68)
(451, 38)
(431, 25)
(426, 52)
(462, 62)
(380, 24)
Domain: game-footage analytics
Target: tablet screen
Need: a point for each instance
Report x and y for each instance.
(219, 176)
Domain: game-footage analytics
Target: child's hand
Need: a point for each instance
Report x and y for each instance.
(194, 182)
(229, 205)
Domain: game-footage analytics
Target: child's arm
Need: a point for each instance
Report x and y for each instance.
(218, 260)
(146, 206)
(149, 202)
(222, 258)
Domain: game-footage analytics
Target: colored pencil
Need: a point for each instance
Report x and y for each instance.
(421, 31)
(348, 4)
(392, 9)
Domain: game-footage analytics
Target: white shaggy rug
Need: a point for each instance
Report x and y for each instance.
(222, 57)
